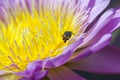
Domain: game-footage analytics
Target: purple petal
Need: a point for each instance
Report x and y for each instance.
(93, 32)
(104, 41)
(29, 4)
(106, 61)
(34, 70)
(99, 6)
(84, 4)
(97, 32)
(36, 76)
(112, 25)
(63, 58)
(117, 13)
(2, 2)
(91, 4)
(116, 21)
(13, 2)
(63, 73)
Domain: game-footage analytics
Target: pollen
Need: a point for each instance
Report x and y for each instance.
(30, 33)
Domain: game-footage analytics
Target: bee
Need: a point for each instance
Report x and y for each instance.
(67, 35)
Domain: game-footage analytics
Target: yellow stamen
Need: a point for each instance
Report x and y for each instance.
(27, 36)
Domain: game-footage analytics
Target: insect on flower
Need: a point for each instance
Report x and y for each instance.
(67, 35)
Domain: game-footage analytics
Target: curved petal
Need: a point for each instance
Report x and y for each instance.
(116, 21)
(106, 61)
(104, 41)
(96, 6)
(109, 25)
(112, 25)
(99, 6)
(34, 71)
(63, 58)
(93, 33)
(84, 4)
(91, 3)
(36, 76)
(63, 73)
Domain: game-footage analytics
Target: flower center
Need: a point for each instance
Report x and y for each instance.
(33, 34)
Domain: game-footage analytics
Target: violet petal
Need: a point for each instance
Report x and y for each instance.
(34, 71)
(104, 41)
(63, 73)
(92, 34)
(106, 61)
(99, 6)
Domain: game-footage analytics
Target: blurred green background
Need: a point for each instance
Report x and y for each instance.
(116, 34)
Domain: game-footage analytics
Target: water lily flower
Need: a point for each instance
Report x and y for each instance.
(42, 39)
